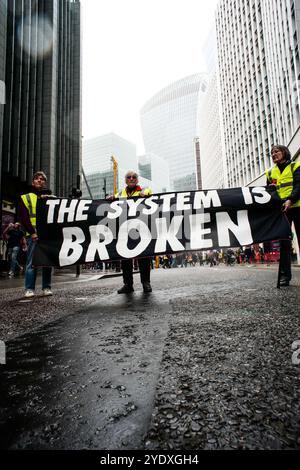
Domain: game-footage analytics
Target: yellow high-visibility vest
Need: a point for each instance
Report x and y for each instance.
(283, 180)
(123, 193)
(30, 201)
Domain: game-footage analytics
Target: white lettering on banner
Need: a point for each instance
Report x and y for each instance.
(182, 201)
(261, 195)
(153, 206)
(68, 207)
(242, 230)
(197, 240)
(65, 209)
(122, 243)
(82, 207)
(133, 205)
(116, 207)
(166, 198)
(109, 220)
(202, 200)
(71, 250)
(51, 203)
(165, 234)
(264, 197)
(98, 245)
(248, 199)
(77, 210)
(155, 224)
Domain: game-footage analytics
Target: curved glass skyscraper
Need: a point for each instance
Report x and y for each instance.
(170, 124)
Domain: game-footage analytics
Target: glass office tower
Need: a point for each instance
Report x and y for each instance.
(170, 123)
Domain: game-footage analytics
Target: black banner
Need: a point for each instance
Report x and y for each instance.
(77, 231)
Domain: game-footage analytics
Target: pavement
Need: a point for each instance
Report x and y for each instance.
(58, 278)
(203, 362)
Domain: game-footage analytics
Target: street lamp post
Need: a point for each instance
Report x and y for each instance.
(79, 194)
(104, 187)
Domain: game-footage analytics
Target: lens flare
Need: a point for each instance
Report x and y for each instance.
(35, 36)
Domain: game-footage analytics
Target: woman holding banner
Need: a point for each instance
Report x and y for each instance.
(285, 176)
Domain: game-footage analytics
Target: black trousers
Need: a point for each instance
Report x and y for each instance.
(293, 215)
(127, 267)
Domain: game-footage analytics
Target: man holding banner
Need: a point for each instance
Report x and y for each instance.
(28, 208)
(133, 189)
(285, 176)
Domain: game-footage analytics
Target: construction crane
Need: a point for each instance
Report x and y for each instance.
(115, 173)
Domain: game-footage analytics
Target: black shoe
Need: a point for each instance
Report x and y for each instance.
(126, 289)
(147, 287)
(284, 282)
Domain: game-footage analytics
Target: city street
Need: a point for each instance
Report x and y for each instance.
(203, 362)
(188, 159)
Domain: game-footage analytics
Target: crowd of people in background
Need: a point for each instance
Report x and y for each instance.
(15, 254)
(14, 244)
(228, 257)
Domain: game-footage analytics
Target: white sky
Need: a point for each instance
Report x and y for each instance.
(131, 50)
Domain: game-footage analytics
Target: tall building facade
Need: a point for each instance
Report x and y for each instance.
(170, 123)
(259, 71)
(213, 173)
(156, 170)
(41, 46)
(97, 164)
(3, 20)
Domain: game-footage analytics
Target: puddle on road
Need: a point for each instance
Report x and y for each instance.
(57, 397)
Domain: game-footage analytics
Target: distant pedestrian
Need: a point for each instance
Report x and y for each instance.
(166, 262)
(230, 257)
(248, 254)
(180, 260)
(212, 259)
(15, 243)
(174, 262)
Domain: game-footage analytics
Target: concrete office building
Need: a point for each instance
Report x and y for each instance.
(97, 164)
(259, 71)
(170, 123)
(40, 46)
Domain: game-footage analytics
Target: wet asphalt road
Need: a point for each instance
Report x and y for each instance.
(202, 362)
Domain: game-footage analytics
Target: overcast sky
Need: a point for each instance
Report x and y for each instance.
(131, 50)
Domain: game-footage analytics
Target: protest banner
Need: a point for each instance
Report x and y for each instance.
(73, 231)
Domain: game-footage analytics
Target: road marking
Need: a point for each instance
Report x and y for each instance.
(95, 278)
